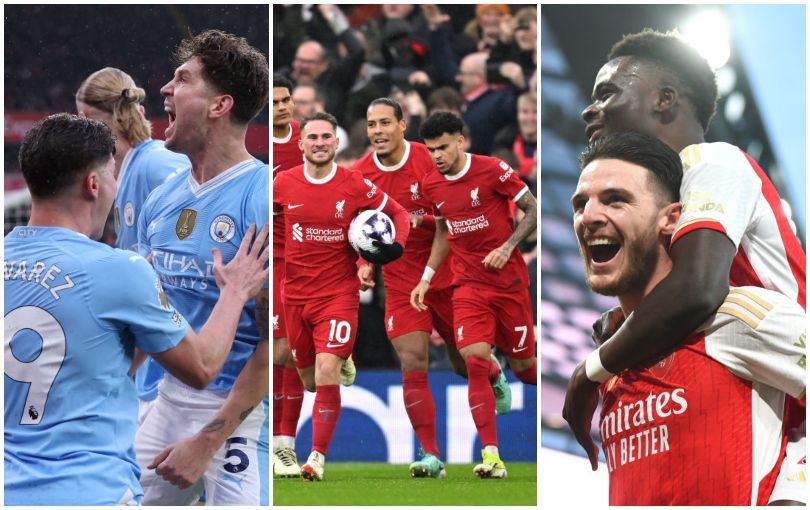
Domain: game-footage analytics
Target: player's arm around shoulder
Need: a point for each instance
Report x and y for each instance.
(198, 358)
(760, 335)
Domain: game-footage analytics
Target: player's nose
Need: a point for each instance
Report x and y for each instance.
(593, 214)
(590, 113)
(166, 90)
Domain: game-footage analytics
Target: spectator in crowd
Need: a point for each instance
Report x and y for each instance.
(486, 108)
(335, 77)
(521, 140)
(485, 29)
(513, 59)
(309, 99)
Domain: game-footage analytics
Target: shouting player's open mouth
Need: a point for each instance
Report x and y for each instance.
(602, 250)
(172, 118)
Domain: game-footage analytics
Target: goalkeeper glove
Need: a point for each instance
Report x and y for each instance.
(385, 252)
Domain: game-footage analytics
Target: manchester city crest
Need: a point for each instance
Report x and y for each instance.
(222, 228)
(129, 214)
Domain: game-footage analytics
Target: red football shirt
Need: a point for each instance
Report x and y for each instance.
(703, 426)
(475, 205)
(286, 155)
(402, 182)
(318, 260)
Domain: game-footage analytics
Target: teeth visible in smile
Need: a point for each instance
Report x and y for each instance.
(600, 242)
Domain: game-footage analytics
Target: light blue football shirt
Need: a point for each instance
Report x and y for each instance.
(145, 167)
(74, 311)
(182, 221)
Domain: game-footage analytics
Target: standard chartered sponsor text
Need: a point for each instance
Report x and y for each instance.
(325, 235)
(469, 225)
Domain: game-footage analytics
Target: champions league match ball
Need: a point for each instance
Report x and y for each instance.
(370, 225)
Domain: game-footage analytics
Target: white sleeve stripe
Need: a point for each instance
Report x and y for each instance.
(520, 193)
(384, 202)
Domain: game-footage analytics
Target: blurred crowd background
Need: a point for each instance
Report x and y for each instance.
(479, 61)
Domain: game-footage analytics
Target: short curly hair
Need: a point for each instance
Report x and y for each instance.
(233, 67)
(680, 61)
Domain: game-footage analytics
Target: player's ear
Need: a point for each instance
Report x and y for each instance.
(667, 102)
(90, 184)
(221, 106)
(670, 215)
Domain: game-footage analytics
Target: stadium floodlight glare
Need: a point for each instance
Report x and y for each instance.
(735, 107)
(726, 80)
(708, 33)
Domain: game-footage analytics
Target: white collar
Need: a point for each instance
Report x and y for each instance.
(396, 166)
(463, 170)
(322, 180)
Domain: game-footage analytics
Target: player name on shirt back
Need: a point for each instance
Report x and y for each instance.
(36, 273)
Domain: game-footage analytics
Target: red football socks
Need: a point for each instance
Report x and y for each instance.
(278, 398)
(293, 398)
(325, 414)
(482, 399)
(494, 371)
(528, 376)
(421, 409)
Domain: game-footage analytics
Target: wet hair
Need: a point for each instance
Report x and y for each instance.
(57, 151)
(440, 123)
(282, 82)
(233, 67)
(649, 152)
(387, 101)
(113, 91)
(680, 62)
(319, 116)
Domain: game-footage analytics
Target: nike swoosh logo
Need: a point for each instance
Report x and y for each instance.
(278, 397)
(289, 397)
(324, 411)
(476, 407)
(411, 405)
(521, 349)
(291, 206)
(440, 204)
(332, 346)
(276, 167)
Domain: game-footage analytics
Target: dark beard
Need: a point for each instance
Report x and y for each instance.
(642, 259)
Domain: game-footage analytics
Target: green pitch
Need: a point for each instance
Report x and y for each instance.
(352, 484)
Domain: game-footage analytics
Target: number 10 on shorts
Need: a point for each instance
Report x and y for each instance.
(340, 332)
